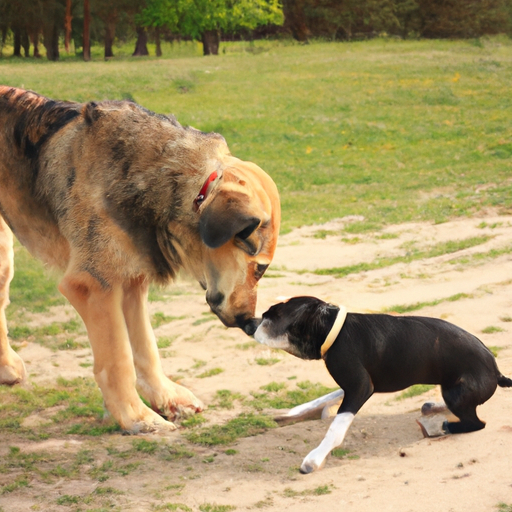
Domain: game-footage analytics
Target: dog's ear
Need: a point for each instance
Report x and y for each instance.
(230, 215)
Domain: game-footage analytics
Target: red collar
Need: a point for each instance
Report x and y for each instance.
(203, 193)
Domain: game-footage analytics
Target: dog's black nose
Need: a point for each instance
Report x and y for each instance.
(248, 325)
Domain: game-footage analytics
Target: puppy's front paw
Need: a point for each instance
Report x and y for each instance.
(313, 462)
(308, 467)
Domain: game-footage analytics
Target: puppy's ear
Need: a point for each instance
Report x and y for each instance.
(227, 216)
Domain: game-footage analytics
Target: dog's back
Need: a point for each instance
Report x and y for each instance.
(399, 351)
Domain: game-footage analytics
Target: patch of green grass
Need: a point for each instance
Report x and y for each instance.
(478, 257)
(193, 421)
(68, 500)
(32, 287)
(231, 451)
(324, 233)
(53, 336)
(210, 373)
(317, 491)
(273, 387)
(145, 446)
(504, 507)
(171, 452)
(211, 507)
(406, 308)
(412, 255)
(164, 342)
(340, 453)
(416, 390)
(160, 318)
(495, 350)
(172, 507)
(266, 361)
(506, 318)
(224, 398)
(244, 425)
(14, 486)
(80, 408)
(492, 329)
(286, 399)
(247, 345)
(208, 317)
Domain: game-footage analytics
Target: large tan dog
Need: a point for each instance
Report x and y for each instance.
(118, 197)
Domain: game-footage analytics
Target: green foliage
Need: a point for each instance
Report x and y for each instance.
(194, 17)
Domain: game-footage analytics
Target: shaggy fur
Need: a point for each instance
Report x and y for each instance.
(105, 192)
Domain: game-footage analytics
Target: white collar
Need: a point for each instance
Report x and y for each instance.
(335, 330)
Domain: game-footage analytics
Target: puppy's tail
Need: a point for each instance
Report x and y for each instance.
(504, 382)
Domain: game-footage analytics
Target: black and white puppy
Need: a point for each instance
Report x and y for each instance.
(367, 353)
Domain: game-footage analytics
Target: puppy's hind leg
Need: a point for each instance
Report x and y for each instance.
(462, 400)
(315, 409)
(12, 369)
(166, 397)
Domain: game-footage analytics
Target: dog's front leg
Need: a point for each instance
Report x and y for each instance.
(334, 437)
(12, 369)
(166, 397)
(102, 312)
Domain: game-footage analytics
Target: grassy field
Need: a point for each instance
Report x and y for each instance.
(390, 130)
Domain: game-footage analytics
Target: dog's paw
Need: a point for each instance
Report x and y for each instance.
(177, 402)
(313, 462)
(307, 468)
(12, 369)
(150, 422)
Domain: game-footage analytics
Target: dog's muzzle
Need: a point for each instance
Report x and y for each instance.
(248, 325)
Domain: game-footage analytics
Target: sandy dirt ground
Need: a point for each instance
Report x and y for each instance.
(390, 465)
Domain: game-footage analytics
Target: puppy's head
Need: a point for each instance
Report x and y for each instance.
(298, 326)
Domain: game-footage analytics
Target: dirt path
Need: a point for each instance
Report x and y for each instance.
(388, 466)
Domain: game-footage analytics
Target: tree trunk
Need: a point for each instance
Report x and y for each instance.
(87, 31)
(141, 46)
(211, 41)
(158, 42)
(51, 41)
(110, 30)
(67, 25)
(17, 42)
(34, 37)
(295, 19)
(25, 43)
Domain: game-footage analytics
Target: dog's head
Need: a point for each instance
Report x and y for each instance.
(239, 225)
(298, 326)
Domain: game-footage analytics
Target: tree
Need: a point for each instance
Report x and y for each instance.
(87, 31)
(141, 45)
(204, 20)
(295, 19)
(67, 25)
